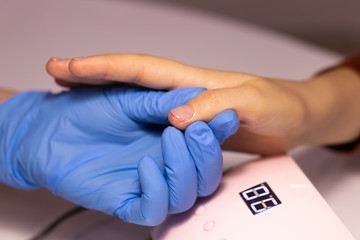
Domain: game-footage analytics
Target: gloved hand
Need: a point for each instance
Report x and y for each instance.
(99, 148)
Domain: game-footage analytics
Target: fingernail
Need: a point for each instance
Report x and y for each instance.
(55, 59)
(77, 59)
(182, 113)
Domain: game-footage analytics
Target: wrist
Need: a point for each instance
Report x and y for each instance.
(330, 100)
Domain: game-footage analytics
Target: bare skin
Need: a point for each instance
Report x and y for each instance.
(5, 94)
(275, 115)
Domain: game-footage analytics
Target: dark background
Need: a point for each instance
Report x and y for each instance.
(333, 24)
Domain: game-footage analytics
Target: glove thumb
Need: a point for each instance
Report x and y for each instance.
(154, 106)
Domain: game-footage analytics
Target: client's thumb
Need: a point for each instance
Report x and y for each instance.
(204, 107)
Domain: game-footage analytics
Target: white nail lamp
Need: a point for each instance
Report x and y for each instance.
(265, 199)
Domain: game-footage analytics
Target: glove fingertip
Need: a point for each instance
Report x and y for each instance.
(154, 200)
(197, 128)
(224, 125)
(180, 171)
(151, 207)
(206, 152)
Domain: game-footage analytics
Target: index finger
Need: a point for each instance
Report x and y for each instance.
(144, 70)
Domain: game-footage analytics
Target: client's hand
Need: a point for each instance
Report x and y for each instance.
(99, 148)
(273, 113)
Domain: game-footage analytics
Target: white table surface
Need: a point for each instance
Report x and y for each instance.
(33, 31)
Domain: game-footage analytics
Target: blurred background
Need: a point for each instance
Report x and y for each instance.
(33, 31)
(333, 24)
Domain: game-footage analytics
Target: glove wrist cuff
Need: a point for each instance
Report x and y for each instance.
(12, 117)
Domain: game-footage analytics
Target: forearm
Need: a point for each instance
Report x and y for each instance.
(5, 94)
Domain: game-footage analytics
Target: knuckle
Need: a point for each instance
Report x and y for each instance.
(107, 72)
(253, 94)
(254, 99)
(210, 98)
(141, 68)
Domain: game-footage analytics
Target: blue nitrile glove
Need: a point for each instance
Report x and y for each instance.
(95, 147)
(193, 161)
